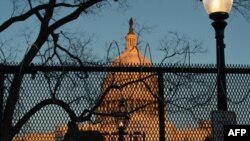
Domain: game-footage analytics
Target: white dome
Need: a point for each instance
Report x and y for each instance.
(137, 88)
(133, 57)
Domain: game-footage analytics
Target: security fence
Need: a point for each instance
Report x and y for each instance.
(171, 102)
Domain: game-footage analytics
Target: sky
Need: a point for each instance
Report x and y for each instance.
(183, 16)
(186, 17)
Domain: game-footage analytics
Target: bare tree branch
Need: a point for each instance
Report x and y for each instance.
(38, 107)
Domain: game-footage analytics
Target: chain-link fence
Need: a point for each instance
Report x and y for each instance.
(171, 102)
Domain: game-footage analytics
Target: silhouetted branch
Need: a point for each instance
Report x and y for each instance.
(243, 8)
(175, 45)
(38, 107)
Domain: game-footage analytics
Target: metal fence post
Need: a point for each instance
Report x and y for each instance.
(161, 106)
(1, 97)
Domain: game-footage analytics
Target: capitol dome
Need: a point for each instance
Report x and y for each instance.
(131, 55)
(139, 89)
(131, 85)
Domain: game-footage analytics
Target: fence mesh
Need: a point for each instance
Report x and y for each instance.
(189, 98)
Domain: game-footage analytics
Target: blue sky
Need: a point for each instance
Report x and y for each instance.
(184, 16)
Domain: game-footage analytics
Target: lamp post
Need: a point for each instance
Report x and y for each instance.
(122, 118)
(218, 11)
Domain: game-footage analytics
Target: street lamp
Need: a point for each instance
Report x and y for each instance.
(218, 11)
(122, 118)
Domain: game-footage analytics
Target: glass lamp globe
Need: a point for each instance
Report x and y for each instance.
(217, 6)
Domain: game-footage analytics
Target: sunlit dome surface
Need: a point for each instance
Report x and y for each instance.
(137, 88)
(131, 56)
